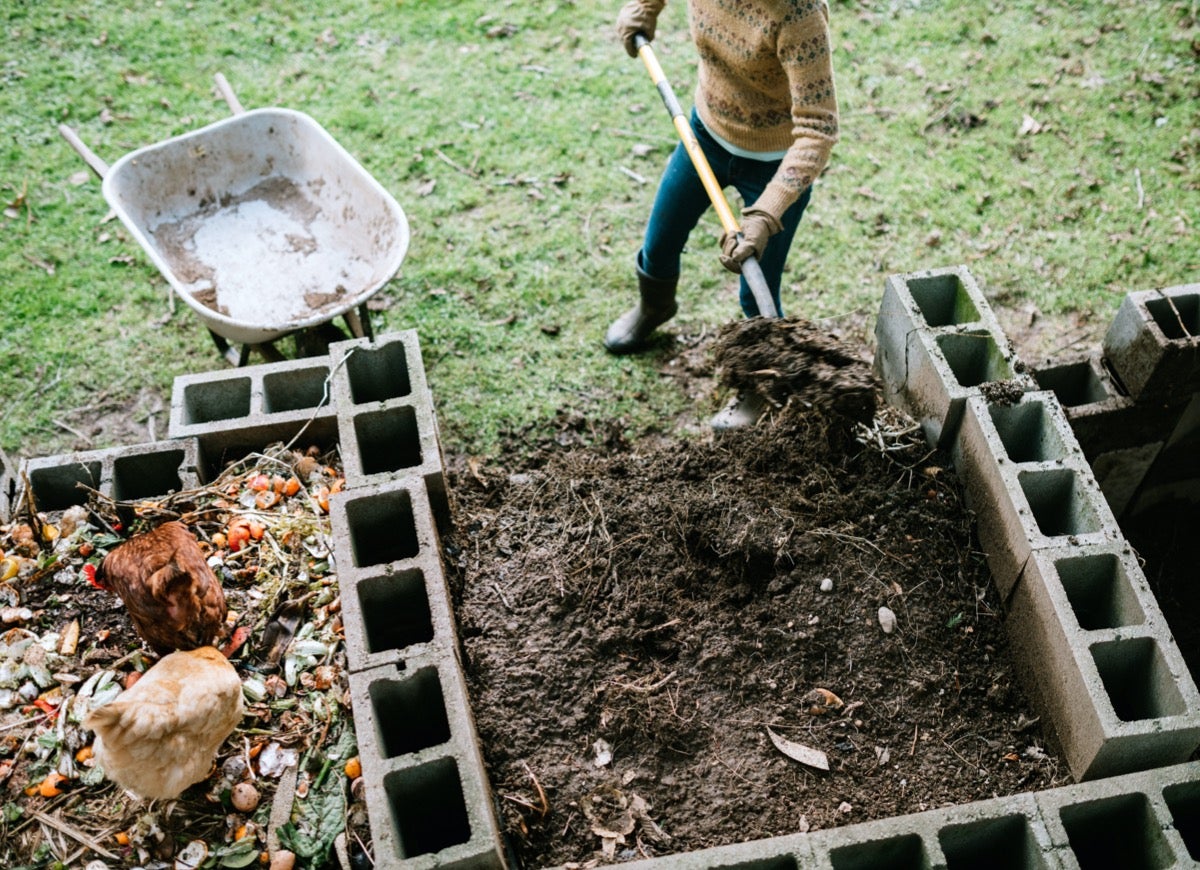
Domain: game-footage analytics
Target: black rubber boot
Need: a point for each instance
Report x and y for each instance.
(629, 332)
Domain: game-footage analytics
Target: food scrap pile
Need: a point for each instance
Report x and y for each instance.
(285, 788)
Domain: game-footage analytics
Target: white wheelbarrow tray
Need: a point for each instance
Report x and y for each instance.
(262, 223)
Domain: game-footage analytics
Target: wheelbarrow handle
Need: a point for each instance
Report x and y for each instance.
(228, 95)
(97, 165)
(751, 270)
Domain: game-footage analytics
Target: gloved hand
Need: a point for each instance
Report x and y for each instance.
(633, 19)
(757, 227)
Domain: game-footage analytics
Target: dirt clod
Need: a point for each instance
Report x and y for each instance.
(786, 358)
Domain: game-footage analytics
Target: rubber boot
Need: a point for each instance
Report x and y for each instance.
(629, 332)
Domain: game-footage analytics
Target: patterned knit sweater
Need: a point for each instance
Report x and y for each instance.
(766, 84)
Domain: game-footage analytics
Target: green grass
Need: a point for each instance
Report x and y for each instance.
(511, 153)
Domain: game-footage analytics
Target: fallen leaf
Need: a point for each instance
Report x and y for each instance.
(818, 702)
(806, 755)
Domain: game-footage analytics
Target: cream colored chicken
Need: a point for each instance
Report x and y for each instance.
(160, 736)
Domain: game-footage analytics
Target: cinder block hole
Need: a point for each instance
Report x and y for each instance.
(395, 609)
(209, 401)
(1183, 801)
(943, 300)
(378, 374)
(410, 713)
(388, 440)
(1100, 592)
(1073, 384)
(906, 852)
(147, 475)
(1059, 502)
(295, 389)
(219, 449)
(1113, 832)
(1138, 682)
(55, 488)
(382, 528)
(1177, 316)
(428, 809)
(1027, 432)
(974, 358)
(1005, 843)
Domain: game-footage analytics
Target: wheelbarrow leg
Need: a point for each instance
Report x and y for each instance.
(359, 322)
(232, 356)
(237, 358)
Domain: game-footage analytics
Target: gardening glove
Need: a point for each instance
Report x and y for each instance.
(757, 227)
(635, 18)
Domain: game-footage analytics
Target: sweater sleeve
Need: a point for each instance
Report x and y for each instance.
(804, 53)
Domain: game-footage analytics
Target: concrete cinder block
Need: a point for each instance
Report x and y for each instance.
(139, 471)
(1144, 820)
(396, 611)
(428, 798)
(1027, 482)
(394, 595)
(1004, 832)
(776, 853)
(387, 427)
(232, 412)
(901, 842)
(1153, 343)
(1102, 418)
(381, 369)
(939, 343)
(1140, 820)
(1100, 661)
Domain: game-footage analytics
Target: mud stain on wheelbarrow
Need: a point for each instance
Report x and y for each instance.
(276, 226)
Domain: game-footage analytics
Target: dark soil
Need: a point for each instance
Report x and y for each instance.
(661, 603)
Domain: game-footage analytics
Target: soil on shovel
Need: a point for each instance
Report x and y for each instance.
(666, 642)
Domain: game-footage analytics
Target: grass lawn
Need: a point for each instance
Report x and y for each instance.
(1053, 148)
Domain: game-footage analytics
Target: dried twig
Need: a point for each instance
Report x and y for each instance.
(464, 170)
(72, 832)
(634, 687)
(61, 425)
(544, 804)
(640, 179)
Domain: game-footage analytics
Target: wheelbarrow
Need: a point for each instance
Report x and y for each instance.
(262, 223)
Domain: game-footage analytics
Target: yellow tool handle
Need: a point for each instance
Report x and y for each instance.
(684, 129)
(751, 270)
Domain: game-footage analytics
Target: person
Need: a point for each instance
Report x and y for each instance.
(765, 114)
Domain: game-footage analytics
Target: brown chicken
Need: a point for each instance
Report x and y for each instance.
(172, 595)
(160, 736)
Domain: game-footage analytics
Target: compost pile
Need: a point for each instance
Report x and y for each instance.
(286, 780)
(692, 641)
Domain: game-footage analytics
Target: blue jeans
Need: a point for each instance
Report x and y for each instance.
(681, 200)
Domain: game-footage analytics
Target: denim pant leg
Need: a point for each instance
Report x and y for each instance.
(681, 200)
(678, 205)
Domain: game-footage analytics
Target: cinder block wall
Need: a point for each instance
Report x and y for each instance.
(1097, 654)
(1084, 624)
